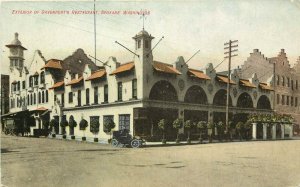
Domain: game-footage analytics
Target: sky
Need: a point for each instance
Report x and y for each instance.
(187, 26)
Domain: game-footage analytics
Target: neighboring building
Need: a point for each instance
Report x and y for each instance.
(135, 95)
(4, 94)
(286, 84)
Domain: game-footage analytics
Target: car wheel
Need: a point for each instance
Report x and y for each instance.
(135, 143)
(114, 143)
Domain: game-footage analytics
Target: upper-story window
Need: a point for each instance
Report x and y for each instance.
(282, 100)
(36, 80)
(120, 93)
(23, 85)
(288, 100)
(19, 86)
(278, 98)
(30, 81)
(292, 101)
(146, 44)
(134, 88)
(106, 93)
(46, 96)
(87, 96)
(139, 44)
(39, 99)
(296, 84)
(296, 101)
(79, 98)
(42, 77)
(278, 79)
(96, 95)
(292, 84)
(70, 97)
(43, 97)
(283, 81)
(288, 82)
(63, 100)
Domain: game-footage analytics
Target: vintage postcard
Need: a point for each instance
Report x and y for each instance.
(150, 93)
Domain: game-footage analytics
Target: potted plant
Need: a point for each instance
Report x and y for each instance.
(82, 126)
(201, 125)
(109, 124)
(177, 124)
(95, 127)
(53, 123)
(162, 126)
(72, 125)
(247, 127)
(231, 127)
(63, 125)
(188, 125)
(239, 128)
(220, 129)
(210, 127)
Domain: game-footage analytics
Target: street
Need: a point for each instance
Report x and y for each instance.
(51, 162)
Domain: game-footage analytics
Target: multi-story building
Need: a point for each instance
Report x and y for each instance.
(4, 94)
(286, 85)
(135, 95)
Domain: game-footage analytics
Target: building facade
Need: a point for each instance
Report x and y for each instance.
(134, 95)
(286, 85)
(4, 94)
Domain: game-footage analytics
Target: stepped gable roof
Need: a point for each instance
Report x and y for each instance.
(124, 68)
(165, 68)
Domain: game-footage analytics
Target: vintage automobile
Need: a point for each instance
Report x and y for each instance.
(122, 137)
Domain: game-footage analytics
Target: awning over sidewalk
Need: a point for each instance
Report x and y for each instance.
(12, 114)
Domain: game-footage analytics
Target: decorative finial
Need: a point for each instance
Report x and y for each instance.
(143, 17)
(16, 35)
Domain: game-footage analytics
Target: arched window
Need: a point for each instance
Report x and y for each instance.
(245, 101)
(220, 98)
(263, 102)
(28, 102)
(42, 77)
(163, 91)
(278, 79)
(43, 97)
(283, 82)
(39, 99)
(34, 98)
(195, 94)
(31, 99)
(46, 96)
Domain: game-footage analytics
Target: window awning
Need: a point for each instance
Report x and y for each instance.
(57, 85)
(123, 68)
(224, 79)
(198, 74)
(165, 68)
(264, 86)
(75, 81)
(246, 83)
(53, 63)
(97, 75)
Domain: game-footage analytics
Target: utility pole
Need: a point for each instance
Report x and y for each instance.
(230, 48)
(95, 34)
